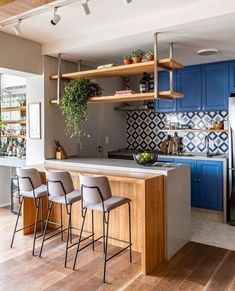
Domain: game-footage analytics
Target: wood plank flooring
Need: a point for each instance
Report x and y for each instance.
(195, 267)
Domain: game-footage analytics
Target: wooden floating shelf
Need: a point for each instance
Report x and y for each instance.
(13, 136)
(195, 129)
(16, 108)
(123, 70)
(15, 121)
(167, 95)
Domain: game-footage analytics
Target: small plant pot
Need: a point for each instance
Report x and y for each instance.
(137, 60)
(127, 62)
(150, 58)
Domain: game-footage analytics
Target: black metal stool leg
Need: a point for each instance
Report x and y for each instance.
(129, 210)
(92, 229)
(106, 245)
(16, 224)
(42, 219)
(61, 222)
(45, 229)
(37, 204)
(80, 238)
(71, 230)
(68, 234)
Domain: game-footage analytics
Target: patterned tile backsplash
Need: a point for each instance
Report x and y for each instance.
(144, 130)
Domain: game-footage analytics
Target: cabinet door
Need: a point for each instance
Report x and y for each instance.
(210, 185)
(193, 166)
(164, 85)
(232, 76)
(215, 86)
(189, 82)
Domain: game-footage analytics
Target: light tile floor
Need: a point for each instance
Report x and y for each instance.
(208, 228)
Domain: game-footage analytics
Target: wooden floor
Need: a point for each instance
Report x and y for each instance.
(195, 267)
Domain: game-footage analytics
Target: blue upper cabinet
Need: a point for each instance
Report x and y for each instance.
(164, 85)
(232, 76)
(215, 86)
(189, 82)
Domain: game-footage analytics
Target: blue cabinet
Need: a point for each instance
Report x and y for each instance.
(189, 82)
(206, 183)
(215, 86)
(164, 85)
(210, 185)
(232, 76)
(165, 160)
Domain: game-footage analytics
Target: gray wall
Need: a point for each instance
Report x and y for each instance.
(20, 54)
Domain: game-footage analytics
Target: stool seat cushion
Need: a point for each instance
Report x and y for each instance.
(39, 192)
(71, 198)
(109, 204)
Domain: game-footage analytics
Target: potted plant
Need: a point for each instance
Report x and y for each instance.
(150, 56)
(137, 56)
(127, 60)
(74, 104)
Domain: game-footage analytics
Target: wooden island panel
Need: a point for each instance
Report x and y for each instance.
(147, 213)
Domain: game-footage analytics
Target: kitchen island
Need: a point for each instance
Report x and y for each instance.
(161, 213)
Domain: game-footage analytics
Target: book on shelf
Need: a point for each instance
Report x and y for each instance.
(124, 92)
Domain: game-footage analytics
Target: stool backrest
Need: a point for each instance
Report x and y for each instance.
(29, 179)
(59, 183)
(93, 186)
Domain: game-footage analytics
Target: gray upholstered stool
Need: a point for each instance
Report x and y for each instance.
(96, 195)
(60, 190)
(30, 185)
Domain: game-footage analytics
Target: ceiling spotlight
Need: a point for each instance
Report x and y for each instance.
(56, 18)
(85, 8)
(127, 1)
(207, 52)
(16, 27)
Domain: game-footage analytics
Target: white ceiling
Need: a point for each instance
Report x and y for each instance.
(114, 29)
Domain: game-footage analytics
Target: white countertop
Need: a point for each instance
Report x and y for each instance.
(112, 164)
(12, 162)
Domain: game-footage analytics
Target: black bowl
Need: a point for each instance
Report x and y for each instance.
(145, 158)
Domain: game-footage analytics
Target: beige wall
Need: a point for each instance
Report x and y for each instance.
(20, 54)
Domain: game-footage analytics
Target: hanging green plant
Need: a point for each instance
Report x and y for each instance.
(74, 104)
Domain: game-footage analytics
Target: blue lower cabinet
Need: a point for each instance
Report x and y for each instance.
(165, 160)
(206, 183)
(210, 185)
(193, 166)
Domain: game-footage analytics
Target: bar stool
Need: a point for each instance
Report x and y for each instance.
(96, 195)
(60, 190)
(30, 185)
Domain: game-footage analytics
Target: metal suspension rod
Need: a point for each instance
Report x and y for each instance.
(171, 81)
(59, 78)
(155, 65)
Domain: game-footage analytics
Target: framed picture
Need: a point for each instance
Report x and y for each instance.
(34, 120)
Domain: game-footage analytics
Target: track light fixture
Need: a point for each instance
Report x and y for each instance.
(56, 18)
(16, 27)
(127, 1)
(85, 7)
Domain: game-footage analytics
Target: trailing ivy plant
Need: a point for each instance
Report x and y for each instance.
(74, 104)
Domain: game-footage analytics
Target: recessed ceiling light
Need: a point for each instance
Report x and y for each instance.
(16, 27)
(127, 1)
(85, 8)
(207, 52)
(56, 18)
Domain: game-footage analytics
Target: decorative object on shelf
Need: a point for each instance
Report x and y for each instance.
(145, 158)
(124, 92)
(60, 151)
(35, 120)
(127, 60)
(144, 83)
(137, 56)
(74, 104)
(219, 125)
(150, 56)
(105, 66)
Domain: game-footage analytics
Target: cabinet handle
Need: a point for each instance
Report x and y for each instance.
(203, 108)
(199, 108)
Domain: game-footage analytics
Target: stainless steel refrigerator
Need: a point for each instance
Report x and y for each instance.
(231, 170)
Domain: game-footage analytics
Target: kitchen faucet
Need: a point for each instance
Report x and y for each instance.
(207, 142)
